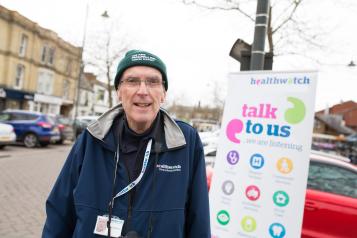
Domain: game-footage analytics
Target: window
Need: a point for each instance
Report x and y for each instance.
(51, 55)
(47, 55)
(18, 117)
(19, 77)
(100, 95)
(45, 82)
(23, 45)
(333, 179)
(4, 116)
(43, 54)
(66, 89)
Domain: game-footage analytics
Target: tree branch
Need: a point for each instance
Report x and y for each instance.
(295, 5)
(231, 8)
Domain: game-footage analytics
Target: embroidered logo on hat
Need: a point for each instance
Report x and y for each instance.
(142, 57)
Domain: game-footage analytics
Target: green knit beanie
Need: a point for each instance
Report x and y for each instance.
(137, 58)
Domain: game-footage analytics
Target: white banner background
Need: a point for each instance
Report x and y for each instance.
(260, 174)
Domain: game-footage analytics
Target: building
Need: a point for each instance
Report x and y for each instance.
(331, 125)
(86, 95)
(94, 97)
(338, 119)
(38, 69)
(101, 97)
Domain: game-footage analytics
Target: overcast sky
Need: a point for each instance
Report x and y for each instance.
(195, 43)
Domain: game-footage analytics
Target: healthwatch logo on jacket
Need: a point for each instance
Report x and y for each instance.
(169, 168)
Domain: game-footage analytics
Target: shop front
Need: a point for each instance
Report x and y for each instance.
(47, 104)
(15, 99)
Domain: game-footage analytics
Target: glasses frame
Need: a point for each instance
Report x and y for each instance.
(136, 83)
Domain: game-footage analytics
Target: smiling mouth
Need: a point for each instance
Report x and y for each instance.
(143, 105)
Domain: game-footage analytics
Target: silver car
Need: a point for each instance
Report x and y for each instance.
(7, 135)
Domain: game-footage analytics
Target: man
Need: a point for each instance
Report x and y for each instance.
(135, 172)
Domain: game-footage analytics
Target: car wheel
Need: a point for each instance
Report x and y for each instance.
(30, 140)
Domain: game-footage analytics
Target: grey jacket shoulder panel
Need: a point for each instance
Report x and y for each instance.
(173, 134)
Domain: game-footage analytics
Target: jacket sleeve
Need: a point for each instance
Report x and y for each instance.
(197, 218)
(61, 218)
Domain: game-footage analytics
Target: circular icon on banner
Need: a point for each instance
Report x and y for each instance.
(228, 187)
(277, 230)
(257, 161)
(223, 217)
(252, 192)
(248, 224)
(285, 165)
(281, 198)
(232, 157)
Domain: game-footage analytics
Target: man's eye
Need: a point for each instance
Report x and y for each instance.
(133, 80)
(153, 81)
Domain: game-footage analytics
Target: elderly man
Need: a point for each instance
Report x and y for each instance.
(135, 172)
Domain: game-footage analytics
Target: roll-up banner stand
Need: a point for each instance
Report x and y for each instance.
(260, 172)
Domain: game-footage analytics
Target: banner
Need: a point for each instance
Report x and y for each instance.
(260, 173)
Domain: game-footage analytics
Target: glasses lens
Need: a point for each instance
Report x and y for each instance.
(135, 82)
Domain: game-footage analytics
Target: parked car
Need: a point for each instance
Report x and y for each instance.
(7, 135)
(209, 138)
(331, 197)
(31, 128)
(82, 122)
(65, 126)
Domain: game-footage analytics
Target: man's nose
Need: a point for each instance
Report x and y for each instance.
(143, 88)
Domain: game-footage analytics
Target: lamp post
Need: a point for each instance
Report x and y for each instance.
(261, 25)
(253, 57)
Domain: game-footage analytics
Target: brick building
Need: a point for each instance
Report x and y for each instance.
(338, 119)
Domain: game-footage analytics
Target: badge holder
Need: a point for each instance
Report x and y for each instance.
(101, 228)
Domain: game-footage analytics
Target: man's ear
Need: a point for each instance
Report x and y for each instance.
(118, 95)
(163, 97)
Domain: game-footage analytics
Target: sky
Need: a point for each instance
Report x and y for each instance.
(195, 43)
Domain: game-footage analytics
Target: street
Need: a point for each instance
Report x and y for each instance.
(26, 178)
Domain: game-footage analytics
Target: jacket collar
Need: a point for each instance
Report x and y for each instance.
(174, 137)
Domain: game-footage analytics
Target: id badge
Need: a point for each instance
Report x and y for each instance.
(101, 228)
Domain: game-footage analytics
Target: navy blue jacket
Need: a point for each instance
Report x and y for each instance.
(174, 193)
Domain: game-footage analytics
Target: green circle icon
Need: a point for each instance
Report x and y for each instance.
(223, 217)
(248, 224)
(281, 198)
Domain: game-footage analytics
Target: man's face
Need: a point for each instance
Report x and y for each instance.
(141, 102)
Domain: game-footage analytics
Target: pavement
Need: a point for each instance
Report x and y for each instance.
(26, 178)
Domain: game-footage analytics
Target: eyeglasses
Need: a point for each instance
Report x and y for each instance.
(136, 82)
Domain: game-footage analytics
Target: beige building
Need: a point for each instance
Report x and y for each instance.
(39, 71)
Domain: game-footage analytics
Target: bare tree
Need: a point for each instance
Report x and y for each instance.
(104, 53)
(285, 26)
